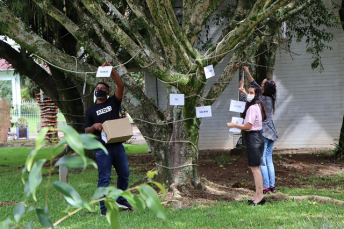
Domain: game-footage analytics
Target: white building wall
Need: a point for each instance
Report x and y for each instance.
(15, 81)
(310, 105)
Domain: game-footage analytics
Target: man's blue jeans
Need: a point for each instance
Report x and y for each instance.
(268, 170)
(118, 159)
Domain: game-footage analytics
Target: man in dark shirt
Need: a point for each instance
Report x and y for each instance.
(108, 109)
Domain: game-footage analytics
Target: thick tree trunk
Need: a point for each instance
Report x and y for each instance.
(172, 136)
(339, 151)
(175, 151)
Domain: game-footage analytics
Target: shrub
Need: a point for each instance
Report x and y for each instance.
(32, 178)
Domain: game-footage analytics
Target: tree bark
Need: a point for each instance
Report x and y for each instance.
(339, 150)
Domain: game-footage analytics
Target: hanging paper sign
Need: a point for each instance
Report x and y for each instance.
(84, 89)
(104, 137)
(202, 112)
(237, 121)
(237, 106)
(209, 71)
(177, 99)
(104, 71)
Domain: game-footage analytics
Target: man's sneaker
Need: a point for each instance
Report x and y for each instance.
(273, 190)
(103, 213)
(266, 191)
(124, 204)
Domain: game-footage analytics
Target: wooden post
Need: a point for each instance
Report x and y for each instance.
(63, 174)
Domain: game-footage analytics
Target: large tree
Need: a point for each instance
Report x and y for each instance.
(158, 37)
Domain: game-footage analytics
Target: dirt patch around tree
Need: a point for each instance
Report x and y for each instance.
(229, 170)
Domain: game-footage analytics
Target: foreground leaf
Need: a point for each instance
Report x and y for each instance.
(40, 139)
(73, 139)
(101, 192)
(152, 200)
(90, 142)
(151, 174)
(18, 211)
(161, 187)
(29, 226)
(5, 224)
(69, 193)
(44, 217)
(138, 203)
(112, 213)
(75, 162)
(35, 177)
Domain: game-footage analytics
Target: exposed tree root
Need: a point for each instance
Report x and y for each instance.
(235, 194)
(320, 199)
(175, 191)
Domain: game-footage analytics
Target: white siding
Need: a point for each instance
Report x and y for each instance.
(310, 105)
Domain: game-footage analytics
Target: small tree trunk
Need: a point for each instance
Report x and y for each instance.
(339, 151)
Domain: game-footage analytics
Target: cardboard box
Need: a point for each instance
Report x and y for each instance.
(117, 130)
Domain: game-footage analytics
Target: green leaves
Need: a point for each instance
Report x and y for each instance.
(75, 162)
(72, 138)
(78, 142)
(44, 217)
(69, 193)
(18, 211)
(90, 142)
(39, 143)
(5, 224)
(112, 213)
(152, 200)
(35, 177)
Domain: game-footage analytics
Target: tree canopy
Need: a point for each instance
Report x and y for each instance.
(160, 37)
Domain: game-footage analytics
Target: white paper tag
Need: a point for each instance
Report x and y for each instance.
(237, 121)
(104, 138)
(104, 71)
(209, 71)
(84, 89)
(237, 106)
(177, 99)
(202, 112)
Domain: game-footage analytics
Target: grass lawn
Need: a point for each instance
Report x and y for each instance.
(220, 214)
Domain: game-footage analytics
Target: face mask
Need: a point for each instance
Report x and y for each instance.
(249, 97)
(100, 93)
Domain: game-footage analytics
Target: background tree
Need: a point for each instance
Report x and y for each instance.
(339, 150)
(77, 36)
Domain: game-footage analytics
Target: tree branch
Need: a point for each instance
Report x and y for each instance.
(178, 32)
(134, 50)
(138, 11)
(223, 81)
(240, 32)
(290, 11)
(195, 14)
(174, 50)
(96, 28)
(137, 35)
(18, 31)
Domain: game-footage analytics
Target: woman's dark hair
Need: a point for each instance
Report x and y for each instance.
(270, 90)
(258, 99)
